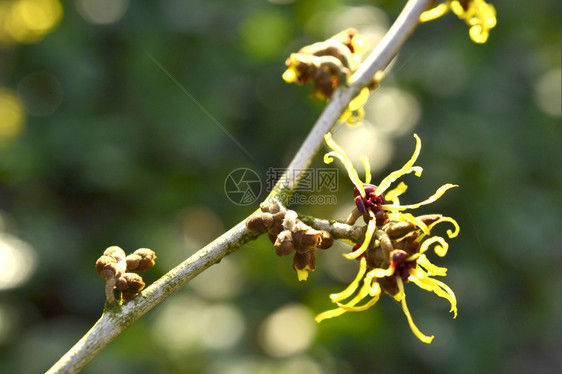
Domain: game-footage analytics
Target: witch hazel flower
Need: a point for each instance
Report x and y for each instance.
(396, 243)
(478, 15)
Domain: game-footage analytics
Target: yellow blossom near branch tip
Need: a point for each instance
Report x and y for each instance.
(478, 15)
(395, 245)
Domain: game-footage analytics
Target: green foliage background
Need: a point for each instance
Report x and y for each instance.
(128, 159)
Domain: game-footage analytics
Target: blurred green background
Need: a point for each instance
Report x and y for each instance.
(99, 147)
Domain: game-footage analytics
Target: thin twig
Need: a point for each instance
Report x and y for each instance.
(115, 319)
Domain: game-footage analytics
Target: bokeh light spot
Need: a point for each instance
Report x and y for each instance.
(265, 34)
(188, 322)
(28, 21)
(393, 111)
(18, 262)
(219, 282)
(547, 92)
(289, 330)
(102, 12)
(365, 140)
(12, 114)
(223, 326)
(199, 226)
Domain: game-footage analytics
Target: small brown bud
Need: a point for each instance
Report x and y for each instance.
(284, 243)
(141, 259)
(103, 262)
(116, 252)
(306, 239)
(130, 284)
(304, 261)
(326, 240)
(259, 222)
(407, 242)
(428, 219)
(271, 207)
(397, 230)
(107, 267)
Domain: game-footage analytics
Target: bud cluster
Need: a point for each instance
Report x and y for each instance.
(119, 271)
(288, 233)
(326, 63)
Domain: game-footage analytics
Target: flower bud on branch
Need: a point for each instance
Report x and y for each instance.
(288, 233)
(119, 271)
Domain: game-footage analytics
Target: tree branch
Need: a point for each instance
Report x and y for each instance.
(115, 319)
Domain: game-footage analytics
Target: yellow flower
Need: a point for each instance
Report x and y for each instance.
(395, 244)
(478, 15)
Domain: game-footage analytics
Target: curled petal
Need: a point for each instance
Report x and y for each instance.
(380, 273)
(431, 269)
(367, 166)
(352, 308)
(393, 194)
(371, 227)
(339, 153)
(424, 338)
(440, 191)
(336, 297)
(450, 233)
(406, 169)
(329, 314)
(424, 281)
(441, 245)
(434, 13)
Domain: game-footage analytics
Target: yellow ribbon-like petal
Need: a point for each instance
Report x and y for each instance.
(406, 169)
(371, 227)
(335, 297)
(393, 194)
(421, 336)
(436, 12)
(441, 245)
(431, 269)
(425, 282)
(440, 191)
(339, 153)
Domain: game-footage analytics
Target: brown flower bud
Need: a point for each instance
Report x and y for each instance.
(107, 267)
(306, 238)
(141, 259)
(397, 230)
(326, 239)
(284, 243)
(259, 222)
(428, 219)
(271, 207)
(130, 284)
(407, 243)
(116, 252)
(304, 261)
